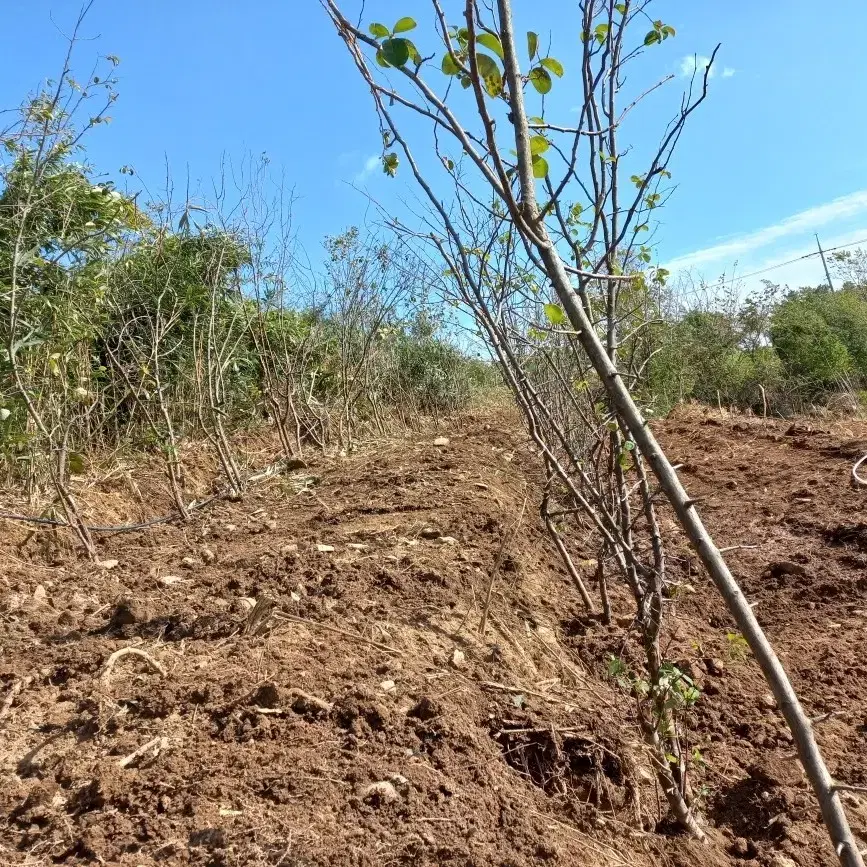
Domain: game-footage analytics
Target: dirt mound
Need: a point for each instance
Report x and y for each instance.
(307, 684)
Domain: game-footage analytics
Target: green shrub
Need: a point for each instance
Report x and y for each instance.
(812, 351)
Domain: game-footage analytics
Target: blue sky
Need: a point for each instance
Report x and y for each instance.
(776, 153)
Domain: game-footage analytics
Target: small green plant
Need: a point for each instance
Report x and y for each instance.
(738, 647)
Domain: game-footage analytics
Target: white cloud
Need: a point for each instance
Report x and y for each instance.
(370, 165)
(695, 62)
(804, 222)
(728, 71)
(784, 253)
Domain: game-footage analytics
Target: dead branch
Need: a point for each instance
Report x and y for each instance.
(282, 615)
(158, 745)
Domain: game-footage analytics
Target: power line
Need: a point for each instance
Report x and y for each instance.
(790, 262)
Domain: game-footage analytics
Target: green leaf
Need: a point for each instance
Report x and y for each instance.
(620, 7)
(540, 79)
(390, 163)
(396, 51)
(490, 74)
(380, 59)
(555, 314)
(532, 43)
(492, 42)
(75, 462)
(538, 144)
(616, 667)
(449, 66)
(652, 38)
(380, 31)
(414, 56)
(601, 33)
(552, 65)
(404, 25)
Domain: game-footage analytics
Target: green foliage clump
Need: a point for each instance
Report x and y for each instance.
(118, 328)
(775, 350)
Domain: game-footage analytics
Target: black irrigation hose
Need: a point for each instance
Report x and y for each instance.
(133, 528)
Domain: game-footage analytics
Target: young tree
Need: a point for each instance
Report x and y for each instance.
(558, 196)
(58, 228)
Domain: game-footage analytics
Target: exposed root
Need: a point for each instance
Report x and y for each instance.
(105, 674)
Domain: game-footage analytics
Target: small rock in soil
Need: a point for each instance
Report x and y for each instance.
(106, 564)
(39, 594)
(458, 659)
(715, 667)
(447, 540)
(784, 567)
(441, 442)
(430, 533)
(128, 611)
(740, 847)
(325, 549)
(768, 701)
(400, 783)
(208, 555)
(378, 794)
(190, 562)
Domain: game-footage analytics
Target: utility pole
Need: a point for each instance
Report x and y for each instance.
(825, 263)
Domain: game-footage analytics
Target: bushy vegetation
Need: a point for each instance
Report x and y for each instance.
(126, 324)
(778, 350)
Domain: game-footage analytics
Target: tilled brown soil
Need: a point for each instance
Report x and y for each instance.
(366, 722)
